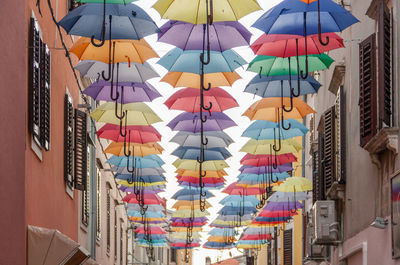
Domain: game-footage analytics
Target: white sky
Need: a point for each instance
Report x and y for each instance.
(244, 100)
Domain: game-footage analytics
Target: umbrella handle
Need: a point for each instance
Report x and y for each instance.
(291, 98)
(128, 153)
(122, 115)
(110, 61)
(123, 134)
(203, 119)
(283, 124)
(202, 86)
(277, 149)
(103, 29)
(116, 88)
(326, 42)
(304, 74)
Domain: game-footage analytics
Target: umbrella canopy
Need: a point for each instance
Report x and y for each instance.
(253, 178)
(136, 149)
(262, 130)
(155, 188)
(238, 198)
(127, 72)
(190, 122)
(264, 169)
(284, 46)
(195, 173)
(192, 153)
(268, 213)
(195, 11)
(151, 208)
(129, 91)
(271, 65)
(270, 109)
(186, 192)
(154, 230)
(136, 134)
(136, 51)
(140, 162)
(188, 100)
(288, 18)
(186, 213)
(288, 196)
(178, 60)
(128, 22)
(287, 142)
(295, 184)
(234, 189)
(143, 171)
(224, 35)
(194, 165)
(215, 139)
(271, 86)
(138, 114)
(253, 147)
(283, 206)
(259, 160)
(206, 179)
(182, 79)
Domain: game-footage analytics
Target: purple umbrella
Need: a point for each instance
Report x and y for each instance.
(132, 92)
(187, 220)
(283, 206)
(155, 189)
(207, 185)
(262, 170)
(223, 35)
(190, 122)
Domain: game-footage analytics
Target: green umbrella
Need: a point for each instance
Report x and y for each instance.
(271, 65)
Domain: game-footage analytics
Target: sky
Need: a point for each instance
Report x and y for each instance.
(244, 100)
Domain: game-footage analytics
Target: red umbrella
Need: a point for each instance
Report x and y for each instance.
(234, 189)
(195, 224)
(138, 134)
(148, 198)
(210, 180)
(188, 99)
(266, 213)
(154, 230)
(262, 160)
(282, 45)
(183, 245)
(257, 237)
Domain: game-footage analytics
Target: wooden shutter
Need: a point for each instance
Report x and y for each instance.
(287, 247)
(108, 236)
(329, 149)
(340, 137)
(35, 44)
(80, 150)
(45, 97)
(367, 101)
(69, 141)
(316, 180)
(385, 65)
(321, 171)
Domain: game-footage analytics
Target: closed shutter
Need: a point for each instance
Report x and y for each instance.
(45, 97)
(367, 101)
(108, 237)
(34, 81)
(340, 135)
(287, 247)
(81, 144)
(385, 65)
(329, 149)
(312, 129)
(69, 141)
(321, 165)
(316, 180)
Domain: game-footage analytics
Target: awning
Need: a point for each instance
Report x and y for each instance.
(51, 247)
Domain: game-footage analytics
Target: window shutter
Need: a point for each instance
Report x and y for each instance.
(316, 180)
(340, 135)
(68, 141)
(34, 81)
(287, 247)
(81, 164)
(320, 169)
(367, 102)
(329, 149)
(385, 65)
(312, 129)
(108, 237)
(45, 97)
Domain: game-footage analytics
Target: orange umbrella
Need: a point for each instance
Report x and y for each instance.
(270, 109)
(135, 51)
(183, 79)
(136, 149)
(219, 239)
(184, 205)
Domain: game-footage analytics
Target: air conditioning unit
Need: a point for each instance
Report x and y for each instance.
(313, 250)
(326, 228)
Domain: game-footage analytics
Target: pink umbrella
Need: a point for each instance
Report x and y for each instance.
(138, 134)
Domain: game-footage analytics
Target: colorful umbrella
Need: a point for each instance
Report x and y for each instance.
(190, 122)
(192, 153)
(136, 149)
(259, 160)
(215, 139)
(136, 134)
(182, 79)
(194, 165)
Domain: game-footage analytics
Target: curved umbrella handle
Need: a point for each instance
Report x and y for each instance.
(103, 29)
(326, 42)
(304, 74)
(277, 149)
(110, 61)
(202, 86)
(116, 97)
(291, 98)
(283, 124)
(122, 115)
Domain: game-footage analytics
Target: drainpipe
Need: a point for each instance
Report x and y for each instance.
(303, 174)
(93, 189)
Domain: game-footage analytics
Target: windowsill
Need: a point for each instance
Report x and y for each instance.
(36, 149)
(336, 191)
(385, 139)
(84, 227)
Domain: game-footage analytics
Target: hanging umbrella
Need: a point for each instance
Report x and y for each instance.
(138, 133)
(188, 100)
(253, 178)
(190, 122)
(194, 165)
(215, 138)
(271, 86)
(240, 199)
(295, 184)
(234, 189)
(231, 209)
(195, 11)
(253, 147)
(283, 206)
(128, 22)
(137, 114)
(156, 188)
(288, 196)
(224, 35)
(151, 208)
(149, 214)
(187, 192)
(154, 230)
(135, 51)
(259, 160)
(141, 162)
(262, 130)
(136, 149)
(192, 153)
(129, 91)
(286, 143)
(183, 79)
(140, 184)
(264, 169)
(144, 171)
(206, 179)
(178, 60)
(195, 173)
(218, 245)
(187, 204)
(186, 213)
(127, 72)
(270, 214)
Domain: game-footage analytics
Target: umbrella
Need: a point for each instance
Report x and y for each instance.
(188, 100)
(127, 72)
(195, 11)
(136, 149)
(206, 179)
(215, 153)
(288, 196)
(120, 2)
(145, 184)
(233, 189)
(178, 60)
(135, 51)
(268, 213)
(253, 147)
(194, 165)
(253, 178)
(218, 245)
(134, 213)
(130, 91)
(287, 143)
(215, 138)
(151, 208)
(262, 130)
(237, 198)
(283, 206)
(154, 230)
(137, 114)
(264, 169)
(190, 122)
(128, 22)
(188, 204)
(144, 171)
(295, 184)
(186, 213)
(138, 134)
(155, 188)
(186, 192)
(224, 35)
(141, 162)
(183, 79)
(259, 160)
(194, 173)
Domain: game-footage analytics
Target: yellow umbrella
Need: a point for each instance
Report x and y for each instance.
(184, 235)
(288, 142)
(194, 11)
(117, 148)
(194, 165)
(294, 184)
(230, 223)
(186, 205)
(245, 246)
(146, 184)
(210, 173)
(218, 238)
(138, 114)
(135, 51)
(184, 229)
(265, 149)
(187, 213)
(183, 79)
(270, 109)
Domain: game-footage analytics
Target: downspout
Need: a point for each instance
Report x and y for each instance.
(303, 174)
(93, 189)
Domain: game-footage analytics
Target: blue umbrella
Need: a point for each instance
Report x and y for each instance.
(218, 245)
(189, 193)
(178, 60)
(192, 153)
(236, 209)
(143, 171)
(252, 179)
(153, 236)
(222, 231)
(148, 214)
(237, 200)
(150, 161)
(263, 130)
(146, 179)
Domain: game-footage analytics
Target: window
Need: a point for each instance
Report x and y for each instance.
(39, 88)
(287, 247)
(160, 255)
(121, 242)
(115, 231)
(108, 218)
(81, 151)
(69, 141)
(85, 211)
(98, 203)
(173, 255)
